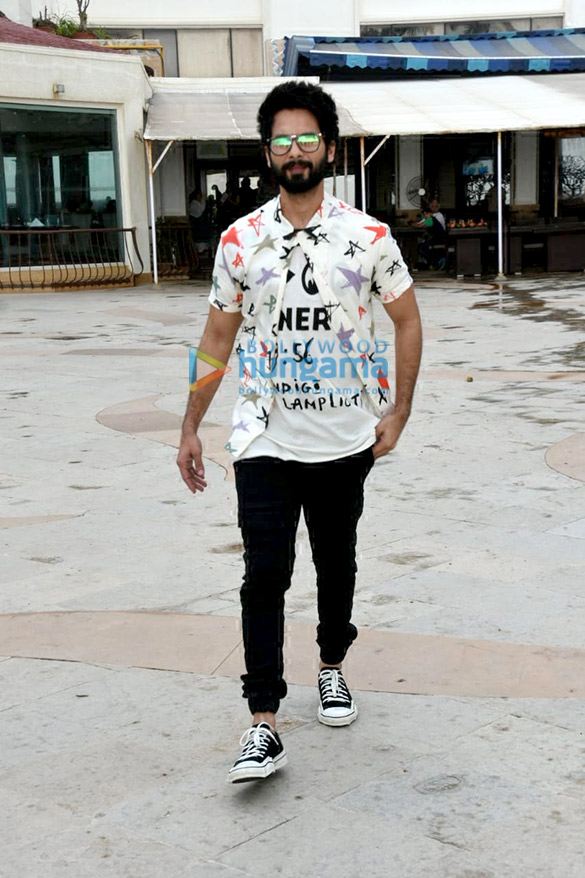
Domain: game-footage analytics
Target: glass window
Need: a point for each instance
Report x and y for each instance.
(484, 26)
(501, 25)
(215, 178)
(124, 33)
(572, 170)
(10, 180)
(402, 30)
(59, 168)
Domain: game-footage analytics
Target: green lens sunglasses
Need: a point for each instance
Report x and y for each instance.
(308, 142)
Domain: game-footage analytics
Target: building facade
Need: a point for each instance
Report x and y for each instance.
(238, 40)
(72, 161)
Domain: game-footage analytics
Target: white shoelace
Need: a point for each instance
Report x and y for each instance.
(333, 686)
(255, 740)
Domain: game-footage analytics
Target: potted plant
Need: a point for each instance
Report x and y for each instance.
(45, 21)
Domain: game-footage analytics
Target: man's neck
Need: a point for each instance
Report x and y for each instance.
(298, 208)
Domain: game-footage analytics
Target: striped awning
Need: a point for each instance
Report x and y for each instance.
(553, 51)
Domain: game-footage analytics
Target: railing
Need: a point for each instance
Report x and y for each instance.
(63, 257)
(178, 256)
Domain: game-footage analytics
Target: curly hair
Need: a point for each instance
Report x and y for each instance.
(295, 95)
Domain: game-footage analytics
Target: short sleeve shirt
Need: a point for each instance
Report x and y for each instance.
(318, 281)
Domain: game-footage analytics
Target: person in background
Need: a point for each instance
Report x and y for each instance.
(436, 213)
(433, 244)
(247, 197)
(229, 208)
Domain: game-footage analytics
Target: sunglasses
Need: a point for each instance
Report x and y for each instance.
(308, 142)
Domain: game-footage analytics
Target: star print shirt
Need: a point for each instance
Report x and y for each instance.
(313, 380)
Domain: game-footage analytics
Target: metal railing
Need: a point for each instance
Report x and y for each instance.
(177, 253)
(178, 256)
(68, 257)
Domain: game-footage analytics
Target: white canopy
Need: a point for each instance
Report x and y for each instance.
(225, 109)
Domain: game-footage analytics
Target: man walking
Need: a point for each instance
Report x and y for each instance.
(313, 411)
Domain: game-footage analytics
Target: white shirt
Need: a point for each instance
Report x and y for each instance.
(292, 286)
(318, 411)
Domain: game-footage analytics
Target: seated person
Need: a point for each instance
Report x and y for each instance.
(432, 248)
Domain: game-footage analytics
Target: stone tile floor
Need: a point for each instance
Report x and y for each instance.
(474, 533)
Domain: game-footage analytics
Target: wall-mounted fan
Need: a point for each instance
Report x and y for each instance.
(416, 191)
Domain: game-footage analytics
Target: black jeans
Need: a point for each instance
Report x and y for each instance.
(271, 494)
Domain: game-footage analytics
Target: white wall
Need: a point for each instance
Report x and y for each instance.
(279, 17)
(18, 10)
(310, 18)
(575, 16)
(91, 80)
(393, 11)
(306, 17)
(173, 13)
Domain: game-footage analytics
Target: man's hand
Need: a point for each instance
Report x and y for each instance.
(408, 345)
(190, 462)
(388, 431)
(217, 341)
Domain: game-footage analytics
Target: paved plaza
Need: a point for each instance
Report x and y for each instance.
(120, 645)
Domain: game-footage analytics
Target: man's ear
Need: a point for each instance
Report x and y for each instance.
(267, 155)
(331, 152)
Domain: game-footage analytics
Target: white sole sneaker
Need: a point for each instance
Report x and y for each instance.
(332, 720)
(247, 773)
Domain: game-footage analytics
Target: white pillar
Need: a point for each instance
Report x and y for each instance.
(501, 275)
(345, 195)
(152, 211)
(363, 172)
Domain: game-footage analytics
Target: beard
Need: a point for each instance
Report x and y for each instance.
(297, 183)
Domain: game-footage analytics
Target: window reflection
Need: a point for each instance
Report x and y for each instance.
(58, 168)
(572, 170)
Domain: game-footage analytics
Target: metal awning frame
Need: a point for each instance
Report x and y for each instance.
(152, 168)
(364, 161)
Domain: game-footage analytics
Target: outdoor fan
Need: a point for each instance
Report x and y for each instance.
(416, 191)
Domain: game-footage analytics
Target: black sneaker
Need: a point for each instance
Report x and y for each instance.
(262, 755)
(336, 707)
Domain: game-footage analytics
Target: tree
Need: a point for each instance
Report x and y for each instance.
(82, 7)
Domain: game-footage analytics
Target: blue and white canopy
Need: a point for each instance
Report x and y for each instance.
(553, 51)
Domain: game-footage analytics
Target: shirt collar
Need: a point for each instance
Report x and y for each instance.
(286, 229)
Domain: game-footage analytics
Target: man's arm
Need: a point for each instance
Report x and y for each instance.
(217, 341)
(405, 315)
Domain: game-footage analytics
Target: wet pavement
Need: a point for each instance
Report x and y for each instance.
(119, 634)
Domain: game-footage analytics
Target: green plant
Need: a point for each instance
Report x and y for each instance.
(101, 33)
(45, 19)
(66, 27)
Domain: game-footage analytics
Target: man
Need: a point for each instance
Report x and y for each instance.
(433, 246)
(313, 412)
(438, 214)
